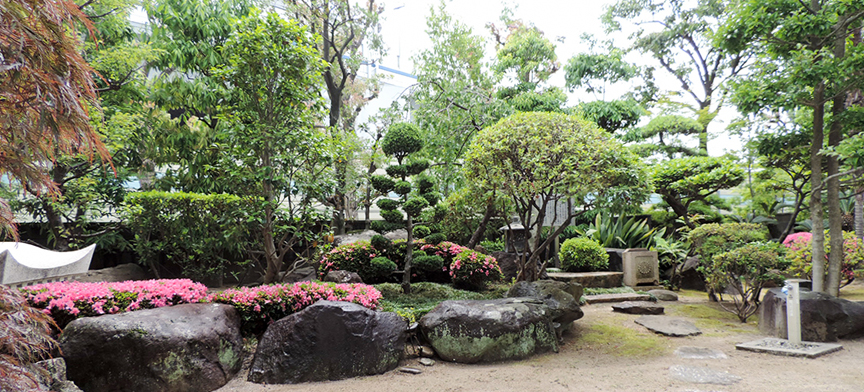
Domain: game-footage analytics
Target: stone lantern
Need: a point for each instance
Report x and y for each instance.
(515, 236)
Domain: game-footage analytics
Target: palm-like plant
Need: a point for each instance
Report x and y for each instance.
(622, 233)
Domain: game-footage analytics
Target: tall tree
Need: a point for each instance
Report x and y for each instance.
(279, 156)
(805, 55)
(683, 47)
(349, 37)
(46, 94)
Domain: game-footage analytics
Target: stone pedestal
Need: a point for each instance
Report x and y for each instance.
(641, 267)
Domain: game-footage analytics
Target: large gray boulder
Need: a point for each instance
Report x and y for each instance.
(344, 239)
(329, 340)
(190, 348)
(490, 330)
(688, 276)
(823, 318)
(51, 376)
(507, 263)
(562, 298)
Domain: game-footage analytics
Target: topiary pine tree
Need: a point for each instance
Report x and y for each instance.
(400, 142)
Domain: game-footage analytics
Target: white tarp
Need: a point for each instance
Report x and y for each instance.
(24, 262)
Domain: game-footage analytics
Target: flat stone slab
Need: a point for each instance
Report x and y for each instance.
(702, 375)
(689, 352)
(604, 279)
(784, 347)
(664, 295)
(668, 326)
(638, 307)
(606, 298)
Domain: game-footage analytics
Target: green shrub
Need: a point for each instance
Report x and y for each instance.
(493, 246)
(416, 167)
(421, 231)
(356, 257)
(387, 204)
(473, 270)
(381, 243)
(424, 184)
(402, 188)
(583, 255)
(382, 184)
(712, 238)
(205, 235)
(381, 267)
(397, 171)
(434, 238)
(392, 216)
(414, 206)
(742, 273)
(428, 263)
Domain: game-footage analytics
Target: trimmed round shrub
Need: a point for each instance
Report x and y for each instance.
(421, 231)
(383, 227)
(392, 216)
(416, 167)
(382, 267)
(583, 255)
(414, 206)
(712, 238)
(401, 140)
(397, 171)
(417, 253)
(381, 243)
(473, 270)
(432, 197)
(435, 238)
(402, 188)
(424, 184)
(428, 263)
(382, 184)
(387, 204)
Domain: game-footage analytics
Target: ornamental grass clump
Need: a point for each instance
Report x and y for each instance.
(473, 270)
(66, 301)
(262, 305)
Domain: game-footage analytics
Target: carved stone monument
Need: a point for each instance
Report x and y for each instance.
(641, 267)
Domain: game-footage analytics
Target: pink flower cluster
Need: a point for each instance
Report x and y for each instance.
(258, 306)
(474, 269)
(798, 241)
(79, 299)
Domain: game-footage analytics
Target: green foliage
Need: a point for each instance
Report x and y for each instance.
(392, 216)
(583, 255)
(170, 227)
(381, 267)
(551, 99)
(428, 263)
(401, 140)
(612, 115)
(528, 55)
(432, 198)
(435, 238)
(397, 171)
(474, 271)
(424, 184)
(670, 251)
(424, 296)
(382, 184)
(387, 204)
(25, 338)
(402, 188)
(609, 67)
(743, 272)
(492, 246)
(422, 231)
(530, 156)
(414, 206)
(712, 239)
(681, 182)
(620, 233)
(381, 243)
(416, 167)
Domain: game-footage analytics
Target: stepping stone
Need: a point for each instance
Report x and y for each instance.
(688, 352)
(702, 375)
(668, 326)
(637, 307)
(605, 298)
(664, 295)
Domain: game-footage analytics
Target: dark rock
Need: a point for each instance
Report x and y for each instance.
(616, 259)
(507, 263)
(304, 274)
(622, 297)
(490, 330)
(637, 307)
(339, 276)
(426, 351)
(191, 347)
(120, 273)
(558, 296)
(345, 239)
(668, 326)
(823, 318)
(51, 374)
(688, 277)
(664, 295)
(604, 279)
(329, 340)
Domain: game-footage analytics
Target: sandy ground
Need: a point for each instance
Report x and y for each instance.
(588, 362)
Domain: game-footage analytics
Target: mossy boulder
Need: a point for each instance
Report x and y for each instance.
(562, 298)
(489, 330)
(190, 348)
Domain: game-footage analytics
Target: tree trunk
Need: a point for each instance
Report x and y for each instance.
(478, 233)
(818, 231)
(835, 215)
(409, 257)
(859, 213)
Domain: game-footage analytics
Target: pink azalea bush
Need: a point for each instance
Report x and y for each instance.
(356, 257)
(799, 252)
(473, 270)
(66, 301)
(260, 306)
